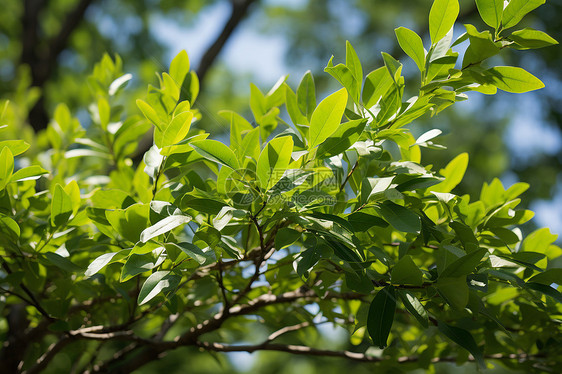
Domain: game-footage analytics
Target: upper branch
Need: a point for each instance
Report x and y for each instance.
(239, 10)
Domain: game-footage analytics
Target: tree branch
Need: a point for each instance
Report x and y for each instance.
(239, 11)
(53, 349)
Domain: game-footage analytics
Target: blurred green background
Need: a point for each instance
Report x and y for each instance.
(47, 48)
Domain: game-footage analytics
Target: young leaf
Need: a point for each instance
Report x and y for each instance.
(377, 83)
(343, 138)
(412, 45)
(274, 160)
(326, 117)
(353, 63)
(178, 128)
(216, 151)
(150, 114)
(517, 9)
(306, 95)
(17, 147)
(381, 316)
(463, 338)
(6, 167)
(491, 11)
(453, 173)
(442, 17)
(29, 173)
(61, 207)
(163, 226)
(179, 67)
(513, 79)
(345, 76)
(104, 111)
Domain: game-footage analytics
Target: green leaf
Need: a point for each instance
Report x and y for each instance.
(104, 111)
(345, 76)
(412, 45)
(99, 263)
(393, 65)
(150, 114)
(442, 17)
(513, 79)
(466, 236)
(216, 151)
(62, 262)
(454, 291)
(544, 289)
(138, 264)
(9, 228)
(415, 307)
(327, 117)
(29, 173)
(274, 160)
(160, 281)
(464, 265)
(194, 252)
(285, 237)
(342, 139)
(295, 113)
(548, 277)
(129, 223)
(529, 38)
(517, 9)
(177, 130)
(402, 219)
(491, 11)
(463, 338)
(377, 83)
(381, 316)
(6, 167)
(361, 221)
(17, 147)
(353, 63)
(61, 207)
(179, 67)
(539, 240)
(453, 173)
(406, 272)
(163, 226)
(482, 46)
(306, 95)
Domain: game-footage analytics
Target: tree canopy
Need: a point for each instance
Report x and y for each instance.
(314, 212)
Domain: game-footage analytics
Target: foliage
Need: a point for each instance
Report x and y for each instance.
(202, 242)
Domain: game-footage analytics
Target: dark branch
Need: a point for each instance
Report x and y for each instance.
(239, 11)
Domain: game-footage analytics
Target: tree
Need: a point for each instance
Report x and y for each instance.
(108, 266)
